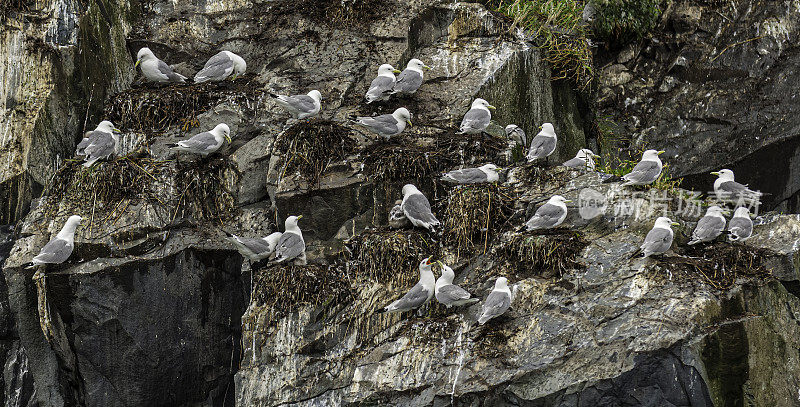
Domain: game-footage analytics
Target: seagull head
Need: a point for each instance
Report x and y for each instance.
(501, 283)
(291, 223)
(724, 174)
(586, 154)
(715, 211)
(558, 200)
(416, 65)
(223, 130)
(314, 94)
(426, 264)
(387, 70)
(107, 127)
(447, 273)
(489, 167)
(664, 222)
(144, 55)
(239, 65)
(652, 155)
(511, 128)
(742, 212)
(481, 104)
(402, 114)
(548, 129)
(409, 189)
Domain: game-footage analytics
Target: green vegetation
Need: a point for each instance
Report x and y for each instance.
(621, 21)
(557, 27)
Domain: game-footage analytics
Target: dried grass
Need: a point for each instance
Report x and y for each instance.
(310, 147)
(545, 254)
(717, 264)
(390, 257)
(475, 213)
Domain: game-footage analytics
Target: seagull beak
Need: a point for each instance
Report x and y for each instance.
(426, 67)
(396, 71)
(595, 155)
(299, 217)
(675, 224)
(138, 61)
(229, 139)
(661, 152)
(567, 200)
(409, 123)
(714, 173)
(116, 130)
(491, 107)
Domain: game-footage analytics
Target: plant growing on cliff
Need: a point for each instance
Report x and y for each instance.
(621, 21)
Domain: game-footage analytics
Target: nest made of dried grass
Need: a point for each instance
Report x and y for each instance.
(475, 213)
(310, 147)
(390, 256)
(546, 254)
(718, 264)
(205, 189)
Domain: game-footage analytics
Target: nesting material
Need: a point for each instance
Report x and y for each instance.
(390, 256)
(310, 147)
(475, 213)
(204, 189)
(546, 254)
(717, 264)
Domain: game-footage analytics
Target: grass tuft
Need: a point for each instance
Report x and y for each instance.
(204, 189)
(475, 213)
(390, 256)
(718, 264)
(310, 147)
(546, 255)
(621, 21)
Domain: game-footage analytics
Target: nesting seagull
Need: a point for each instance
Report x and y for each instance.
(740, 226)
(549, 215)
(477, 118)
(205, 143)
(220, 67)
(101, 145)
(300, 106)
(383, 85)
(387, 125)
(397, 219)
(59, 248)
(709, 226)
(659, 238)
(105, 127)
(498, 301)
(417, 209)
(645, 171)
(255, 249)
(421, 293)
(156, 70)
(583, 160)
(291, 245)
(726, 189)
(544, 143)
(411, 78)
(484, 173)
(518, 135)
(450, 294)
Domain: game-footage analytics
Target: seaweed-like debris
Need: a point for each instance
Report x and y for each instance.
(285, 287)
(473, 213)
(352, 14)
(310, 147)
(718, 264)
(205, 188)
(553, 178)
(147, 109)
(390, 256)
(546, 255)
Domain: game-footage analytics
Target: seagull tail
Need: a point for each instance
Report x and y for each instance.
(636, 253)
(90, 162)
(694, 241)
(29, 265)
(274, 95)
(612, 178)
(172, 145)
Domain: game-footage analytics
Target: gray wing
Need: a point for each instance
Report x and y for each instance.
(658, 241)
(643, 172)
(418, 208)
(740, 228)
(218, 67)
(575, 163)
(380, 88)
(100, 146)
(518, 135)
(199, 142)
(546, 216)
(408, 81)
(413, 299)
(79, 149)
(168, 72)
(451, 293)
(466, 176)
(496, 304)
(256, 246)
(708, 228)
(302, 103)
(55, 251)
(542, 146)
(289, 246)
(384, 124)
(475, 119)
(735, 190)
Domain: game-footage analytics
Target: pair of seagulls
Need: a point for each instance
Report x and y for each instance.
(451, 295)
(387, 84)
(218, 68)
(278, 247)
(544, 144)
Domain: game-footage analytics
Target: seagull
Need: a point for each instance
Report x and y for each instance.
(387, 125)
(101, 145)
(220, 67)
(583, 160)
(421, 293)
(59, 249)
(205, 143)
(255, 249)
(484, 173)
(156, 70)
(498, 301)
(450, 294)
(397, 219)
(659, 238)
(383, 85)
(300, 106)
(549, 215)
(516, 133)
(645, 171)
(105, 127)
(417, 208)
(477, 118)
(709, 226)
(411, 78)
(726, 189)
(543, 144)
(291, 245)
(740, 226)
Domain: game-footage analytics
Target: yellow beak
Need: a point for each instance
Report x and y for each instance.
(426, 67)
(661, 152)
(675, 224)
(567, 200)
(491, 107)
(116, 130)
(229, 139)
(396, 71)
(714, 172)
(409, 123)
(299, 216)
(138, 61)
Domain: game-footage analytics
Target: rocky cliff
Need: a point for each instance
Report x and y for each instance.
(156, 308)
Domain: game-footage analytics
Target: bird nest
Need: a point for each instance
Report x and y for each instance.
(283, 288)
(205, 188)
(12, 6)
(717, 264)
(311, 147)
(546, 254)
(154, 109)
(553, 178)
(390, 256)
(352, 14)
(474, 213)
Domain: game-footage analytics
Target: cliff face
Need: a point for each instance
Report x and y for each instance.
(156, 308)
